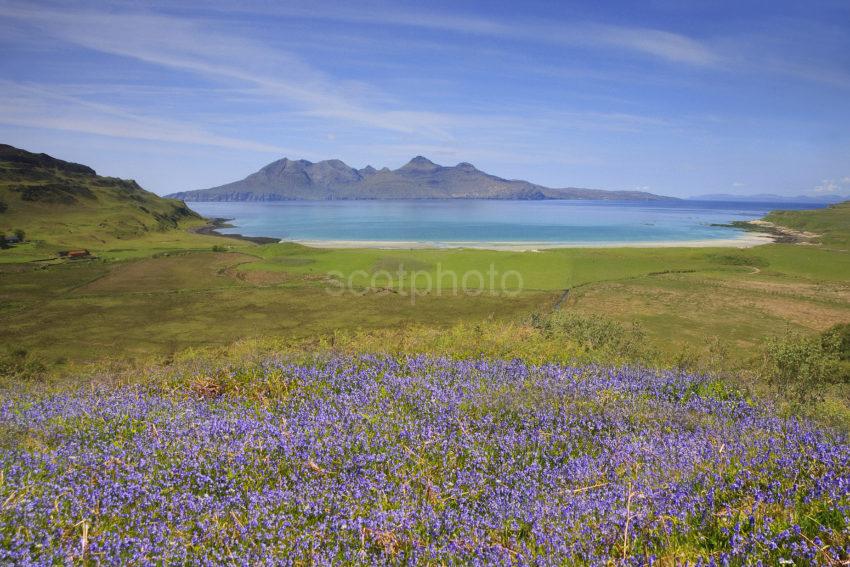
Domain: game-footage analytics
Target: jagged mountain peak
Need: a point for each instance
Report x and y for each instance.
(284, 164)
(335, 163)
(420, 178)
(419, 163)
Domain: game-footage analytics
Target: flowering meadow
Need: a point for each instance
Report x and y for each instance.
(363, 460)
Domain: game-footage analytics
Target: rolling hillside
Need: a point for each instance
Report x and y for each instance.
(68, 204)
(832, 224)
(286, 180)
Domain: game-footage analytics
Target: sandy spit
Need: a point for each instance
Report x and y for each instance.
(747, 240)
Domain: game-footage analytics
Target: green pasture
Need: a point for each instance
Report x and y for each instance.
(162, 291)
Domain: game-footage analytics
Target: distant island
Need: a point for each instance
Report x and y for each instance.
(773, 198)
(290, 180)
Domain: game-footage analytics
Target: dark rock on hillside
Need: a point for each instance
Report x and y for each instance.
(22, 159)
(62, 192)
(39, 190)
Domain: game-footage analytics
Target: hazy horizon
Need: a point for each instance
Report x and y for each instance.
(669, 99)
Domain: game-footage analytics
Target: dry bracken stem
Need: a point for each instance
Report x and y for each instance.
(591, 487)
(84, 540)
(628, 518)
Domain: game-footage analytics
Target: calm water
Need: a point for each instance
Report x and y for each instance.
(443, 222)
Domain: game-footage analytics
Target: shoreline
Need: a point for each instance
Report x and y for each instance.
(212, 226)
(753, 233)
(747, 240)
(779, 233)
(756, 233)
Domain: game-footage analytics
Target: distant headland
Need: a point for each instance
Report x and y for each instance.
(420, 178)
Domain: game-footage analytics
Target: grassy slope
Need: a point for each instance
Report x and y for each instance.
(64, 205)
(832, 223)
(560, 268)
(158, 303)
(154, 290)
(165, 304)
(682, 296)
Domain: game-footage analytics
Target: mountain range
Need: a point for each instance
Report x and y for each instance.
(420, 178)
(773, 198)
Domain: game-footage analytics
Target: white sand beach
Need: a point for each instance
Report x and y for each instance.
(746, 240)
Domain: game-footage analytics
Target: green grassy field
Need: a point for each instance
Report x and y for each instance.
(155, 286)
(168, 290)
(162, 305)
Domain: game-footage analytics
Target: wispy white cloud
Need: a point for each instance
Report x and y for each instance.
(653, 42)
(808, 72)
(258, 71)
(38, 107)
(657, 43)
(735, 53)
(833, 186)
(752, 52)
(199, 48)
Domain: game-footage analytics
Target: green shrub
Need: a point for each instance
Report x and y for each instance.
(800, 367)
(17, 365)
(841, 333)
(595, 333)
(739, 259)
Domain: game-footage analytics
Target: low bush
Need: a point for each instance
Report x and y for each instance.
(801, 367)
(595, 333)
(739, 259)
(16, 365)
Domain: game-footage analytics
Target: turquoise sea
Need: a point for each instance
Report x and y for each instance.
(452, 222)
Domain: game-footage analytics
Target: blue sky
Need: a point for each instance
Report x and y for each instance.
(670, 97)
